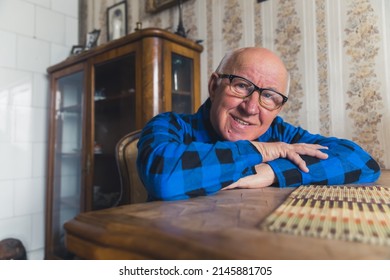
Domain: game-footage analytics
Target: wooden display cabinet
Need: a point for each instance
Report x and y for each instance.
(97, 97)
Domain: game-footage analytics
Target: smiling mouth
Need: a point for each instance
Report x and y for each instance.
(241, 121)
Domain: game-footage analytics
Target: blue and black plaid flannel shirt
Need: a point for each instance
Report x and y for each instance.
(181, 156)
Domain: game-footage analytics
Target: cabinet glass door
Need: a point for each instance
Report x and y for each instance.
(182, 88)
(67, 156)
(114, 117)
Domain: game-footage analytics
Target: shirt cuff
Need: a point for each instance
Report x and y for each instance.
(286, 172)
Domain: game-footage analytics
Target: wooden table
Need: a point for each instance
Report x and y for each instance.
(221, 226)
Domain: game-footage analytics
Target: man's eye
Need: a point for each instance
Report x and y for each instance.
(267, 95)
(241, 85)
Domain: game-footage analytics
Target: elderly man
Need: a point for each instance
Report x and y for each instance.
(237, 140)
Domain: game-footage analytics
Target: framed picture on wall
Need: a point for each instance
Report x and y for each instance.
(117, 21)
(77, 49)
(92, 38)
(155, 6)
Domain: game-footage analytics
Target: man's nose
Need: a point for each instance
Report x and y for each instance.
(251, 103)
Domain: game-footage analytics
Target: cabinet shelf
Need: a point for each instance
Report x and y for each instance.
(112, 98)
(104, 156)
(182, 92)
(71, 202)
(70, 155)
(71, 109)
(113, 105)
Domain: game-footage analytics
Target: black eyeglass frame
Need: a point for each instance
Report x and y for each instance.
(255, 88)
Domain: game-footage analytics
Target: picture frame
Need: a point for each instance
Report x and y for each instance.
(117, 21)
(155, 6)
(92, 38)
(76, 49)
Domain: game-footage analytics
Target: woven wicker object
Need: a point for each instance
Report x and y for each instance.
(350, 213)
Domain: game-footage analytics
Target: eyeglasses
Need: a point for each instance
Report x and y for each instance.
(241, 87)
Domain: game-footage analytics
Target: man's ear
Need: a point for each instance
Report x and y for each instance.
(213, 85)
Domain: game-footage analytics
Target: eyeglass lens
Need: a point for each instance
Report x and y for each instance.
(268, 98)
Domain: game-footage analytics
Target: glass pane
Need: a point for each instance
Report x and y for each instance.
(114, 118)
(67, 175)
(182, 68)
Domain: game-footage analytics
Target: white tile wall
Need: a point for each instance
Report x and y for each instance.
(34, 35)
(25, 189)
(69, 8)
(21, 93)
(5, 121)
(71, 37)
(7, 49)
(18, 17)
(33, 54)
(40, 93)
(39, 118)
(36, 255)
(39, 156)
(42, 3)
(6, 199)
(37, 230)
(53, 32)
(6, 163)
(23, 126)
(58, 52)
(21, 160)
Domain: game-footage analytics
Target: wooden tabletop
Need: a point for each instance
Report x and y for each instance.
(221, 226)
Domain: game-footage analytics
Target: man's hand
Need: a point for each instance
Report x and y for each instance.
(264, 178)
(293, 152)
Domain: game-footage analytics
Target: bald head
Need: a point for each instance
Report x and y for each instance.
(236, 117)
(259, 61)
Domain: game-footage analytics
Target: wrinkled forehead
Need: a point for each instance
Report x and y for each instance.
(260, 66)
(258, 60)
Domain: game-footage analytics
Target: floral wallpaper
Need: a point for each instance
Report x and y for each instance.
(322, 52)
(288, 44)
(364, 105)
(191, 24)
(83, 16)
(102, 20)
(209, 40)
(258, 26)
(232, 24)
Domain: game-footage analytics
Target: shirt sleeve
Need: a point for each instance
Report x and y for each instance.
(347, 162)
(173, 165)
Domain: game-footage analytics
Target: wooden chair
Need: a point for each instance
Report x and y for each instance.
(133, 191)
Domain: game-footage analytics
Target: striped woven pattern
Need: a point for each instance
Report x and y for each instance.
(336, 212)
